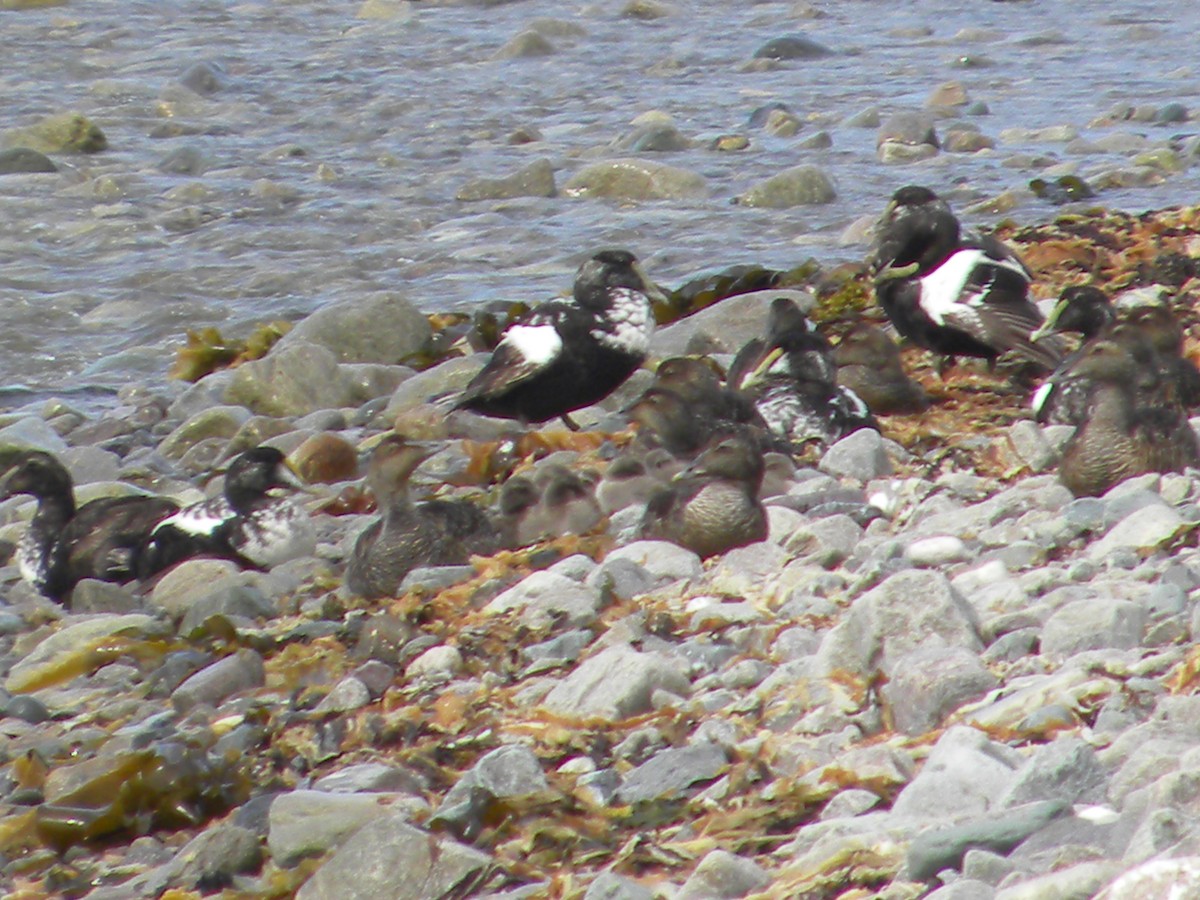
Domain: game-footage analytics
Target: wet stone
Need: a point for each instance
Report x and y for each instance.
(799, 186)
(792, 47)
(534, 180)
(73, 642)
(22, 160)
(636, 179)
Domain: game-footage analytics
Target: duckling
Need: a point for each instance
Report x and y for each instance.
(102, 539)
(567, 354)
(408, 535)
(791, 377)
(254, 521)
(713, 505)
(553, 502)
(952, 292)
(869, 364)
(1121, 436)
(634, 476)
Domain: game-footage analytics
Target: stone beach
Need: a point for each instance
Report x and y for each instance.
(940, 676)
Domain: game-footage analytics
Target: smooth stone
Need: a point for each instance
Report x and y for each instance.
(616, 683)
(26, 708)
(671, 773)
(92, 596)
(963, 889)
(232, 675)
(621, 579)
(1143, 529)
(32, 433)
(636, 179)
(1096, 623)
(944, 848)
(545, 599)
(948, 93)
(929, 684)
(325, 458)
(389, 859)
(347, 695)
(505, 774)
(900, 153)
(849, 803)
(908, 127)
(309, 823)
(22, 161)
(962, 141)
(190, 581)
(74, 639)
(937, 551)
(611, 886)
(724, 327)
(188, 160)
(798, 186)
(371, 777)
(792, 46)
(292, 380)
(214, 856)
(525, 45)
(439, 663)
(68, 132)
(1078, 881)
(860, 455)
(1165, 878)
(215, 422)
(1067, 769)
(534, 180)
(964, 775)
(653, 137)
(448, 377)
(379, 327)
(722, 875)
(392, 11)
(665, 562)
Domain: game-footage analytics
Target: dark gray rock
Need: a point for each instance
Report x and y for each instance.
(209, 861)
(534, 180)
(943, 848)
(506, 774)
(671, 773)
(22, 160)
(240, 672)
(792, 46)
(726, 326)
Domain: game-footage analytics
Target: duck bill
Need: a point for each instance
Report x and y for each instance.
(764, 366)
(1044, 330)
(891, 272)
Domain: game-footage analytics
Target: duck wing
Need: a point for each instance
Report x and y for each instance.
(529, 347)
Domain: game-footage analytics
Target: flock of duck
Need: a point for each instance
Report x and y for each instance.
(709, 442)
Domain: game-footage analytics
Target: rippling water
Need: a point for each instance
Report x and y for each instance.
(334, 147)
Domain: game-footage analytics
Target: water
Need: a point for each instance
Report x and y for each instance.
(334, 147)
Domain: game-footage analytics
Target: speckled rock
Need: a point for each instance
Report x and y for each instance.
(292, 380)
(545, 598)
(616, 683)
(798, 186)
(22, 160)
(534, 180)
(69, 132)
(636, 179)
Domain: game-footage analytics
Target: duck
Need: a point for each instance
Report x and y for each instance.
(713, 505)
(1122, 435)
(409, 535)
(102, 539)
(634, 475)
(254, 522)
(1150, 333)
(566, 354)
(791, 377)
(869, 364)
(954, 292)
(698, 380)
(551, 502)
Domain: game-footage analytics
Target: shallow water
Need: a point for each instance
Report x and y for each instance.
(334, 146)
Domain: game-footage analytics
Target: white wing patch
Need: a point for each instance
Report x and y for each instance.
(1040, 396)
(942, 288)
(630, 322)
(199, 518)
(537, 344)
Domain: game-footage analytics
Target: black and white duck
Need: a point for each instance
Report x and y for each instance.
(407, 534)
(102, 539)
(255, 521)
(954, 292)
(714, 504)
(791, 377)
(570, 353)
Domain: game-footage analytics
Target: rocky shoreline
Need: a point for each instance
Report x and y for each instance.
(941, 675)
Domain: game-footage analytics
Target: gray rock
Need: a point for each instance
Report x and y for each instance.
(937, 551)
(22, 160)
(636, 179)
(930, 683)
(722, 875)
(67, 132)
(534, 180)
(963, 889)
(943, 848)
(724, 327)
(214, 856)
(654, 137)
(448, 377)
(1076, 882)
(908, 127)
(798, 186)
(311, 823)
(792, 46)
(389, 859)
(381, 327)
(671, 773)
(232, 597)
(240, 672)
(610, 886)
(1157, 878)
(292, 380)
(1143, 529)
(32, 433)
(910, 610)
(860, 455)
(348, 694)
(621, 579)
(187, 160)
(1096, 623)
(665, 562)
(92, 596)
(965, 775)
(371, 777)
(506, 774)
(616, 683)
(524, 45)
(546, 599)
(848, 803)
(190, 581)
(439, 663)
(204, 78)
(1066, 769)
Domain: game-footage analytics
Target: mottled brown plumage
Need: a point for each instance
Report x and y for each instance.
(408, 535)
(869, 364)
(1122, 435)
